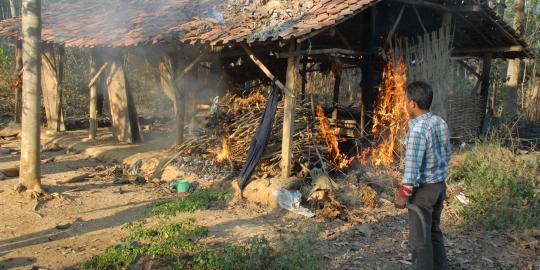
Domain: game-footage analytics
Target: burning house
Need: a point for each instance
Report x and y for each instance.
(372, 46)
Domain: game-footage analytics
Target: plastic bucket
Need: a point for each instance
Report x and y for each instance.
(181, 186)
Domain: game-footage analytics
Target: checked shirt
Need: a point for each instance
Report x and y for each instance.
(428, 150)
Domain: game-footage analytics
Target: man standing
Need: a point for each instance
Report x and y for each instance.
(427, 155)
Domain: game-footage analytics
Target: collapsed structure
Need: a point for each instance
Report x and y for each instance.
(283, 41)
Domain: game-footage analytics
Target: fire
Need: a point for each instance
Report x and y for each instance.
(224, 152)
(390, 118)
(332, 139)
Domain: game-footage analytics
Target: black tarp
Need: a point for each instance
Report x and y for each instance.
(260, 139)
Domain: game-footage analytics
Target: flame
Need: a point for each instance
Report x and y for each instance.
(390, 118)
(332, 139)
(224, 152)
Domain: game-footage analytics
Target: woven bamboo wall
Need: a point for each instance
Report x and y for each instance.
(464, 115)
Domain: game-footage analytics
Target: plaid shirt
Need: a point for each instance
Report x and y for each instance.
(428, 150)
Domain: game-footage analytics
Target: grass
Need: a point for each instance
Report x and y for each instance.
(200, 199)
(293, 253)
(179, 245)
(501, 187)
(163, 241)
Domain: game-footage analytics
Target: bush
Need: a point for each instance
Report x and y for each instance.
(200, 199)
(502, 189)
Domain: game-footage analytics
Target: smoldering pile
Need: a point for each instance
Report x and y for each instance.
(221, 148)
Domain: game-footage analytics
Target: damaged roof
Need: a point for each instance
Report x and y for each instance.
(128, 23)
(123, 23)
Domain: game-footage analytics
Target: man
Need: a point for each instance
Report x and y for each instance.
(427, 155)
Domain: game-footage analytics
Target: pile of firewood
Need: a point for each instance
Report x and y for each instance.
(235, 123)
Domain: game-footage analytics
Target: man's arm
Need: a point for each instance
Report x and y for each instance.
(416, 145)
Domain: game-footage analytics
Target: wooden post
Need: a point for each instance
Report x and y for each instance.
(304, 75)
(123, 112)
(169, 80)
(18, 90)
(289, 112)
(92, 132)
(337, 84)
(484, 90)
(50, 90)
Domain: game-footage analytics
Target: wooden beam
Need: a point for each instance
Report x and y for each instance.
(265, 70)
(515, 48)
(394, 27)
(469, 69)
(420, 19)
(453, 9)
(289, 113)
(337, 84)
(475, 29)
(96, 74)
(338, 52)
(501, 28)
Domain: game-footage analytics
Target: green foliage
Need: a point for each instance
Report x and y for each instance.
(501, 188)
(115, 257)
(164, 241)
(200, 199)
(294, 254)
(255, 254)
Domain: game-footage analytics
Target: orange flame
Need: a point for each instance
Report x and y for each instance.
(390, 118)
(331, 137)
(224, 152)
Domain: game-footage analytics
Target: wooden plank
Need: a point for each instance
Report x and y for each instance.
(289, 113)
(265, 70)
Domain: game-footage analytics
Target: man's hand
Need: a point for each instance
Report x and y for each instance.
(400, 202)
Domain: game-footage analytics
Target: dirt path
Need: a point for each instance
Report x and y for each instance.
(62, 233)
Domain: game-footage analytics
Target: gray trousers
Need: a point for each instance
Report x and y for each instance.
(431, 254)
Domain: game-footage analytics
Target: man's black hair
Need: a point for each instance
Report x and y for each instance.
(421, 93)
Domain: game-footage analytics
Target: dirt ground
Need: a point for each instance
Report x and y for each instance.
(86, 217)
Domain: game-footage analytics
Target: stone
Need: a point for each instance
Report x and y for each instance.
(365, 229)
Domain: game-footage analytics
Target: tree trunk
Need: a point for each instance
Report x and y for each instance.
(510, 97)
(50, 89)
(168, 74)
(18, 89)
(30, 128)
(533, 107)
(13, 8)
(123, 112)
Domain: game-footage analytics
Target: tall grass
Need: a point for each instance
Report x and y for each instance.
(502, 188)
